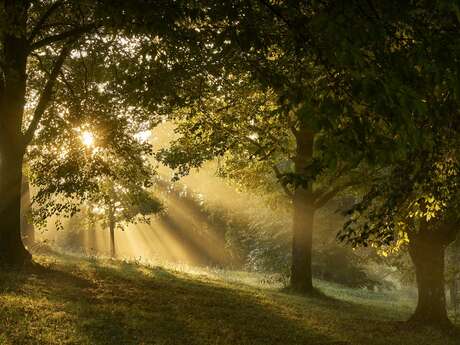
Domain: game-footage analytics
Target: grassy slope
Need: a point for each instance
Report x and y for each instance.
(73, 301)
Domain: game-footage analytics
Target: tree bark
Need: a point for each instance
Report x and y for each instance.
(12, 99)
(427, 249)
(303, 203)
(12, 250)
(453, 293)
(301, 270)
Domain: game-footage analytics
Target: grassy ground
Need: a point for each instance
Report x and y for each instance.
(69, 300)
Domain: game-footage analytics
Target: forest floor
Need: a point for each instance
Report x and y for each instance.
(70, 300)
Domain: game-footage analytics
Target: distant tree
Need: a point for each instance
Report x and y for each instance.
(117, 205)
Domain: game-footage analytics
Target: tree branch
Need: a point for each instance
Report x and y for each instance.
(278, 14)
(73, 33)
(44, 18)
(285, 188)
(41, 64)
(45, 96)
(323, 199)
(67, 84)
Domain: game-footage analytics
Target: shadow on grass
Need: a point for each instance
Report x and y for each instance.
(315, 293)
(119, 304)
(74, 301)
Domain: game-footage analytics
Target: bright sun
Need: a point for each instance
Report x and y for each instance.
(87, 138)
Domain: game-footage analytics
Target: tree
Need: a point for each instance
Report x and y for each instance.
(116, 205)
(388, 98)
(248, 127)
(393, 70)
(96, 157)
(418, 211)
(39, 42)
(400, 75)
(256, 45)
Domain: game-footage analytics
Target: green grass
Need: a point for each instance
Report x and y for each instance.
(70, 300)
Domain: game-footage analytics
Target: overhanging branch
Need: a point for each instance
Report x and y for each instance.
(45, 96)
(44, 18)
(324, 197)
(73, 34)
(285, 188)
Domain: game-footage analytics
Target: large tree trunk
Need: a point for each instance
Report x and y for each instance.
(27, 227)
(301, 270)
(12, 99)
(453, 293)
(12, 251)
(427, 249)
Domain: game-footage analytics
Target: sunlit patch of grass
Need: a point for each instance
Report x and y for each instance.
(71, 300)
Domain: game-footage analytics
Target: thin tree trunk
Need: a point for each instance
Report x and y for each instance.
(112, 231)
(113, 252)
(112, 242)
(301, 270)
(427, 249)
(91, 245)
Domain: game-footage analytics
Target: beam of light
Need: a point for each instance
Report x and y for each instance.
(177, 249)
(189, 222)
(186, 235)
